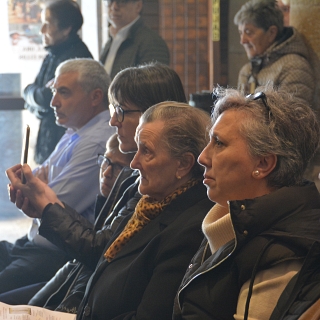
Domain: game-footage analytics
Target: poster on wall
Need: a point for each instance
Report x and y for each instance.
(25, 47)
(24, 18)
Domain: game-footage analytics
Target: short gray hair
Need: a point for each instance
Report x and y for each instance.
(92, 74)
(185, 130)
(261, 13)
(288, 128)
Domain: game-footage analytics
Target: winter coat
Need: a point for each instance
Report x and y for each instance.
(286, 64)
(142, 280)
(277, 227)
(65, 290)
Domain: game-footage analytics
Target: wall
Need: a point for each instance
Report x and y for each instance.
(184, 25)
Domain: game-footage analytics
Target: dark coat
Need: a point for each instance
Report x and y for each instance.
(142, 45)
(142, 280)
(37, 96)
(279, 226)
(65, 290)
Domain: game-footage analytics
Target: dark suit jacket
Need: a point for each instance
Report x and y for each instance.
(142, 45)
(142, 280)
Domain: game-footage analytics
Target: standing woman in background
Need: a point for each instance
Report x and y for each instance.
(61, 21)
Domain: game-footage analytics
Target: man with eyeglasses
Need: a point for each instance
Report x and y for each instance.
(130, 42)
(111, 163)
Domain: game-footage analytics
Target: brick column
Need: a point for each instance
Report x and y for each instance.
(184, 25)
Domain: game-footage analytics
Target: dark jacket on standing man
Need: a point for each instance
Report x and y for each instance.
(141, 46)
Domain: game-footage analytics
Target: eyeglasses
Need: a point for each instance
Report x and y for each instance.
(120, 112)
(263, 97)
(104, 162)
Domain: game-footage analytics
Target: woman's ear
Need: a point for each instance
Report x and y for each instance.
(185, 165)
(272, 33)
(265, 166)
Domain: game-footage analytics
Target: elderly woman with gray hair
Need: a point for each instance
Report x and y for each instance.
(276, 53)
(139, 269)
(265, 224)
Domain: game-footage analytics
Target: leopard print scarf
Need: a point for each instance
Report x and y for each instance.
(146, 210)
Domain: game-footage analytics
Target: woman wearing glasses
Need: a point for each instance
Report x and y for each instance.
(266, 217)
(133, 91)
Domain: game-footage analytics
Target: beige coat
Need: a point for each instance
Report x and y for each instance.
(285, 64)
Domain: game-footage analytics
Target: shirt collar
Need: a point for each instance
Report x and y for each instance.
(89, 124)
(123, 32)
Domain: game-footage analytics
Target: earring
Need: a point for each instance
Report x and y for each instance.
(178, 177)
(256, 173)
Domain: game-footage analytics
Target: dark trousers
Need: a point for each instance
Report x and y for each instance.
(21, 295)
(24, 263)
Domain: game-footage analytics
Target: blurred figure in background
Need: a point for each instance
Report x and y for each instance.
(61, 20)
(276, 53)
(131, 42)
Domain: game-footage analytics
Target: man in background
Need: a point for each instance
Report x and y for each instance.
(61, 20)
(131, 42)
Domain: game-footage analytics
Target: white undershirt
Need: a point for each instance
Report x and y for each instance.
(120, 36)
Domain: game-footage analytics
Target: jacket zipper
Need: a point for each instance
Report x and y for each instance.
(202, 260)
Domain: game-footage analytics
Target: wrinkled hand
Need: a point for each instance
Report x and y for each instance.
(33, 196)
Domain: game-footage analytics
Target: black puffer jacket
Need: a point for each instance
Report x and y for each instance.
(282, 225)
(37, 96)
